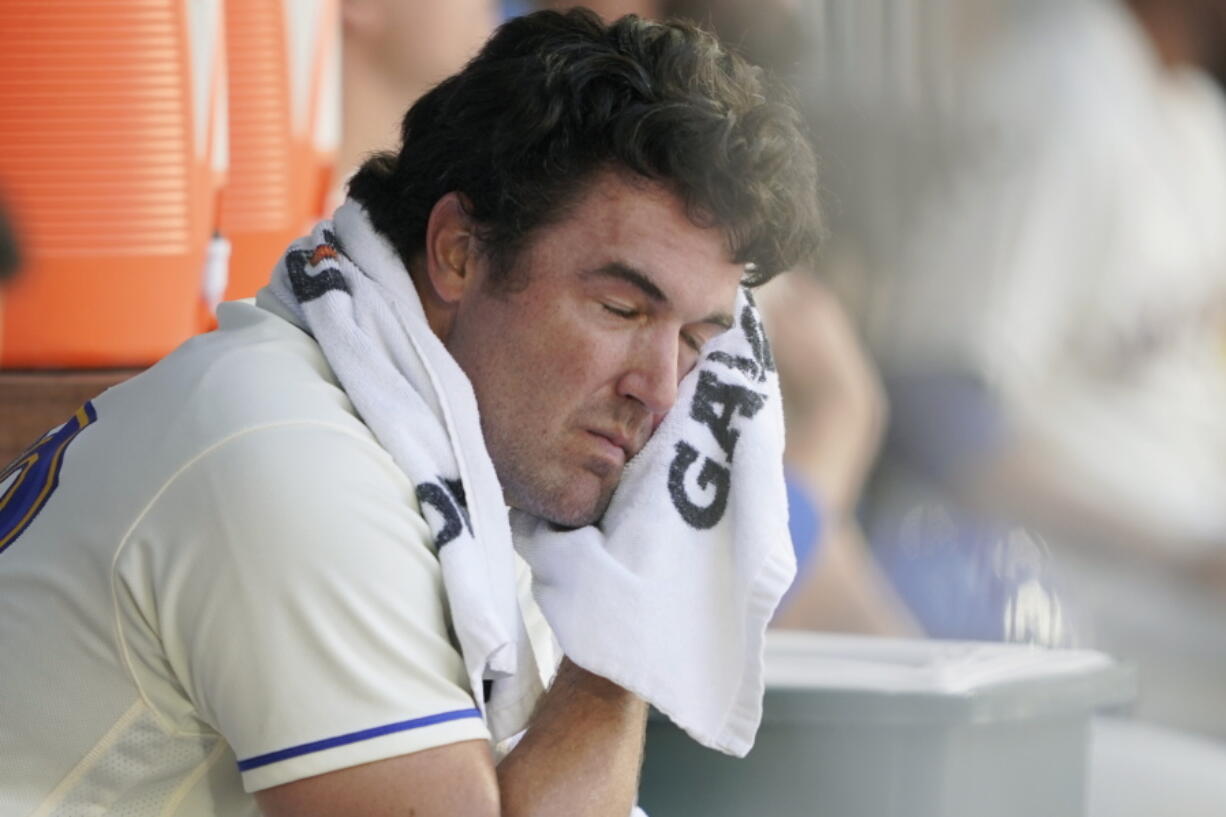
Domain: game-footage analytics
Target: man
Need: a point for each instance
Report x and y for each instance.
(219, 591)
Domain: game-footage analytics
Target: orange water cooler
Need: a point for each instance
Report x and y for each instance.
(112, 148)
(284, 113)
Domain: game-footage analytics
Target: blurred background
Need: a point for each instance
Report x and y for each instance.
(1005, 379)
(1026, 273)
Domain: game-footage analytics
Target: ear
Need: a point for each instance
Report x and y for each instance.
(450, 250)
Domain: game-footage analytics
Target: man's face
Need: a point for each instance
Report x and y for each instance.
(576, 368)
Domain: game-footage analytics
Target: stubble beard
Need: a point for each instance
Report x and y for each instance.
(552, 496)
(555, 488)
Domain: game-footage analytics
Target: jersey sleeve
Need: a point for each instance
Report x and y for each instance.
(283, 590)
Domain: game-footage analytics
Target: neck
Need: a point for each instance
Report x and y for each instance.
(373, 105)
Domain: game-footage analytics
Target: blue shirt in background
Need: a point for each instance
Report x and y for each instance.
(804, 522)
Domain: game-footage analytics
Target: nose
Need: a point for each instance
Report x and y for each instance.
(652, 376)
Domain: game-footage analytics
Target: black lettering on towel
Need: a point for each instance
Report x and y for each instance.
(756, 332)
(732, 399)
(309, 285)
(762, 361)
(716, 405)
(712, 474)
(447, 498)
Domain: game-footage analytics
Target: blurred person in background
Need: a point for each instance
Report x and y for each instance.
(768, 33)
(392, 52)
(1049, 318)
(835, 412)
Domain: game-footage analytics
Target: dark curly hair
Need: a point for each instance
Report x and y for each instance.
(553, 98)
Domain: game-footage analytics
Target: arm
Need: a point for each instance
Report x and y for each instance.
(834, 404)
(581, 754)
(325, 663)
(843, 590)
(579, 758)
(836, 413)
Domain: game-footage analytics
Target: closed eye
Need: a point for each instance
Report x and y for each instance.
(621, 312)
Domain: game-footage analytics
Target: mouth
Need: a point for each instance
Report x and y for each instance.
(614, 445)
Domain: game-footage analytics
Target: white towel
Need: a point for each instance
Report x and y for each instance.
(670, 596)
(347, 286)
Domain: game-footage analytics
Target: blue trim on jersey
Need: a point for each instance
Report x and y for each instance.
(34, 476)
(353, 737)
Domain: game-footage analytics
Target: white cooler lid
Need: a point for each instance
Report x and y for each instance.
(821, 677)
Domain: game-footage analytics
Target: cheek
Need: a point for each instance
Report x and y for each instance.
(592, 361)
(539, 367)
(573, 381)
(543, 366)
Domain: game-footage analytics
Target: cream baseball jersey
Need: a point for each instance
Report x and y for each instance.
(213, 580)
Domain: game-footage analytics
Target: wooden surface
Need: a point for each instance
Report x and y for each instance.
(34, 402)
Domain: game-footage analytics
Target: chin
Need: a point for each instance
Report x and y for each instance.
(568, 509)
(572, 516)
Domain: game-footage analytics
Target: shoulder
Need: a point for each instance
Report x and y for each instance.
(255, 373)
(284, 592)
(297, 549)
(290, 495)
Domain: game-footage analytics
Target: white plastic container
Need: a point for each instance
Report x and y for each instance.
(868, 727)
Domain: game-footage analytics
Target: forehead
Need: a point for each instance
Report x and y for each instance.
(642, 224)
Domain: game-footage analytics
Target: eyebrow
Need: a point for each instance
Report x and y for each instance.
(632, 276)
